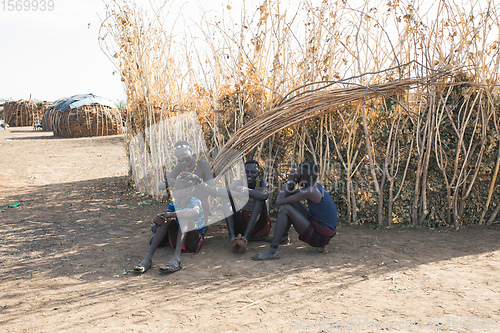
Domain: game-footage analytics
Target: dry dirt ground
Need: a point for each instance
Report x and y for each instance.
(68, 248)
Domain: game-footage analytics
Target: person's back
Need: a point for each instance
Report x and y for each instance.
(324, 212)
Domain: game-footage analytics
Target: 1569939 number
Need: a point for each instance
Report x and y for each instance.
(27, 5)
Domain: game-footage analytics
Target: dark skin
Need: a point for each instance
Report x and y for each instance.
(187, 162)
(182, 191)
(292, 211)
(259, 194)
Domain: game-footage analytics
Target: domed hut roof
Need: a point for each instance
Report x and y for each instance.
(84, 115)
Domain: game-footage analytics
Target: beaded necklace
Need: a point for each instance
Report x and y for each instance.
(194, 169)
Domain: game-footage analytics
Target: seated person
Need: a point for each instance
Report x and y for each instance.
(252, 222)
(188, 163)
(316, 224)
(190, 211)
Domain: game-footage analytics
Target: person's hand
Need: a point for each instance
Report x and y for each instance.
(170, 182)
(162, 186)
(198, 179)
(241, 189)
(293, 175)
(222, 192)
(159, 220)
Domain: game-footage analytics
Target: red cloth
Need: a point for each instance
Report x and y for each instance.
(184, 250)
(317, 234)
(256, 233)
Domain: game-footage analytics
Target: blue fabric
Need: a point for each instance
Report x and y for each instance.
(79, 100)
(199, 220)
(324, 212)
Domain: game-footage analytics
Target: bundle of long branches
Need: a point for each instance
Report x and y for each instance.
(300, 109)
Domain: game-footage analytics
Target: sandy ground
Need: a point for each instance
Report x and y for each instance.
(68, 248)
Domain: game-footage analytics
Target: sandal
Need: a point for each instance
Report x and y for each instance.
(266, 256)
(141, 268)
(170, 268)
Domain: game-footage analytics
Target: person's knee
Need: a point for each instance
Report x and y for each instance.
(284, 209)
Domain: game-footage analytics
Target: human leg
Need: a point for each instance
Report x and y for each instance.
(259, 223)
(146, 263)
(174, 264)
(154, 227)
(236, 222)
(287, 214)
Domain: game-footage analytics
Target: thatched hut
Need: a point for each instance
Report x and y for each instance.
(24, 113)
(47, 116)
(84, 115)
(2, 102)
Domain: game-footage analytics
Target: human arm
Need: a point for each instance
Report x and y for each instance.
(207, 182)
(288, 195)
(257, 209)
(235, 188)
(169, 180)
(176, 171)
(187, 213)
(260, 193)
(162, 219)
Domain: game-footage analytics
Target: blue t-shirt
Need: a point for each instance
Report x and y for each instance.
(199, 220)
(325, 211)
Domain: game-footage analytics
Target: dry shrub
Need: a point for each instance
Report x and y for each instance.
(427, 156)
(24, 113)
(87, 120)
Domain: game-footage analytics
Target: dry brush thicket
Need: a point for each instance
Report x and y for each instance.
(398, 105)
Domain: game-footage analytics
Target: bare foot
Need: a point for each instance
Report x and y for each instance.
(235, 244)
(242, 242)
(322, 250)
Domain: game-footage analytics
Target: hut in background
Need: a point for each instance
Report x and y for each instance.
(24, 113)
(2, 102)
(82, 116)
(47, 116)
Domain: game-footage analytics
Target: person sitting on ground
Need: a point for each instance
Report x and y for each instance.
(188, 163)
(252, 222)
(315, 225)
(189, 211)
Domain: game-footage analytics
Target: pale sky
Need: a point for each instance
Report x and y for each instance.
(55, 54)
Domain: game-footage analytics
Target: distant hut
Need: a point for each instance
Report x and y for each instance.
(24, 113)
(47, 116)
(84, 115)
(2, 102)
